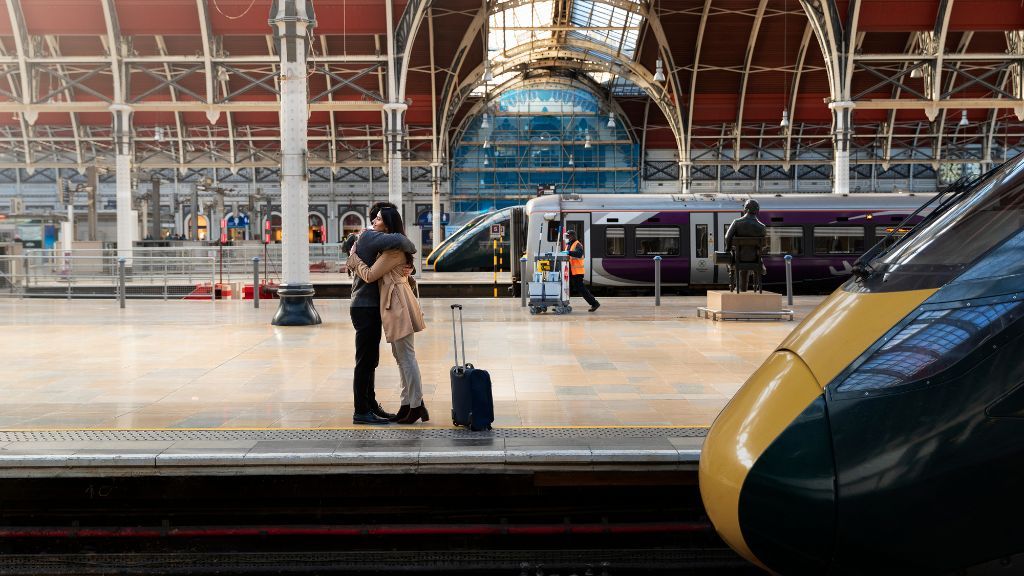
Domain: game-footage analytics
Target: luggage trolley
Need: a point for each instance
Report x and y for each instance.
(550, 285)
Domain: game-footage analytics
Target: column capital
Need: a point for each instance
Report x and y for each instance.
(298, 11)
(841, 104)
(395, 106)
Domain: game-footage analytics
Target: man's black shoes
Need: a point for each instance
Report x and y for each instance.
(594, 307)
(381, 412)
(368, 418)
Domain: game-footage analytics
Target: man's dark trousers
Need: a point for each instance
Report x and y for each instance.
(578, 288)
(368, 332)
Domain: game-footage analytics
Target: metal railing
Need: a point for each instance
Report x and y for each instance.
(233, 262)
(96, 276)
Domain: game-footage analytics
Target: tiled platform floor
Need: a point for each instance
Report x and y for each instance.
(86, 364)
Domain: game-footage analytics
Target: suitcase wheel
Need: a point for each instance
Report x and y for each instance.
(535, 309)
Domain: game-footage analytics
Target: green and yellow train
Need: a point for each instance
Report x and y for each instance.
(886, 433)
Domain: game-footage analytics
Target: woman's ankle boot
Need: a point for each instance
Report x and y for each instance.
(403, 411)
(417, 413)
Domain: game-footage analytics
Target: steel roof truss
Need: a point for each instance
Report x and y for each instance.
(350, 82)
(10, 74)
(252, 82)
(165, 79)
(990, 70)
(67, 83)
(54, 48)
(893, 79)
(747, 59)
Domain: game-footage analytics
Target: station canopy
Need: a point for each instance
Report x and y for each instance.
(701, 83)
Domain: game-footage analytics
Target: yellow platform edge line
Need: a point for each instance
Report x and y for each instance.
(622, 427)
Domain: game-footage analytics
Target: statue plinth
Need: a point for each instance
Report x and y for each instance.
(725, 305)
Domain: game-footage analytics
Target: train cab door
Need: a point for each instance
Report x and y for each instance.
(580, 223)
(702, 231)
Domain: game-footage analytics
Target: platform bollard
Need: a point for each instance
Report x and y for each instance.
(789, 279)
(120, 281)
(657, 280)
(255, 281)
(524, 285)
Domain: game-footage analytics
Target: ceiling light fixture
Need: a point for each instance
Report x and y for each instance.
(487, 143)
(486, 122)
(488, 75)
(784, 123)
(158, 134)
(586, 141)
(659, 71)
(611, 119)
(571, 163)
(963, 118)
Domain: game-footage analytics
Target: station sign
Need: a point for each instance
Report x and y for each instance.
(497, 231)
(238, 221)
(427, 218)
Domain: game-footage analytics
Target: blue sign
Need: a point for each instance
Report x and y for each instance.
(427, 218)
(238, 221)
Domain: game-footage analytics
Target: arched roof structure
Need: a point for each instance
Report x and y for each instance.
(898, 78)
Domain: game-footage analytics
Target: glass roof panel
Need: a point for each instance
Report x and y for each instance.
(609, 25)
(519, 25)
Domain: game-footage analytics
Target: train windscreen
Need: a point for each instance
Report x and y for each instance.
(948, 245)
(451, 239)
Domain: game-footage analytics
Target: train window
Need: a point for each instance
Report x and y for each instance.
(930, 344)
(785, 240)
(701, 248)
(615, 241)
(553, 228)
(661, 241)
(838, 239)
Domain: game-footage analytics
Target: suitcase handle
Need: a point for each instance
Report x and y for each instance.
(455, 341)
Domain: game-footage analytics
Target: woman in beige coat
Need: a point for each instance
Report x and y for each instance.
(400, 313)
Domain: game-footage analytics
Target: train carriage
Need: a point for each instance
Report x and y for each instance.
(622, 234)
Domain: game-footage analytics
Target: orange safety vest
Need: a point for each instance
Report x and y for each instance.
(576, 267)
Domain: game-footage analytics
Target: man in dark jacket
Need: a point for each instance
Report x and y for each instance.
(365, 313)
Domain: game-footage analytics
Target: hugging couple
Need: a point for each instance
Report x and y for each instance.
(383, 298)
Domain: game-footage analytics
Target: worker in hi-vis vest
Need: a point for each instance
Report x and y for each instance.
(577, 269)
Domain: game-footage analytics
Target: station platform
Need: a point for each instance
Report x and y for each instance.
(182, 387)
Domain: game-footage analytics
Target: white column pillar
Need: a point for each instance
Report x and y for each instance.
(394, 112)
(126, 225)
(292, 22)
(841, 115)
(685, 176)
(435, 204)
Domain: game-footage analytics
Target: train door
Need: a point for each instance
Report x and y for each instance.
(702, 231)
(724, 220)
(580, 223)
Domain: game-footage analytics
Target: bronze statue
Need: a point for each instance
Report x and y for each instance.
(744, 241)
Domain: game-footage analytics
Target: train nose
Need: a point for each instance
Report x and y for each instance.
(766, 470)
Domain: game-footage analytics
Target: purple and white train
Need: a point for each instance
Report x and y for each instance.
(622, 234)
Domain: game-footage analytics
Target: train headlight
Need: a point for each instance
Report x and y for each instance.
(931, 342)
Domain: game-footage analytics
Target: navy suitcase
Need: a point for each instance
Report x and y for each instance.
(472, 405)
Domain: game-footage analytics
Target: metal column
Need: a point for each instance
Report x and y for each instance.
(125, 223)
(841, 115)
(292, 21)
(393, 112)
(92, 183)
(155, 226)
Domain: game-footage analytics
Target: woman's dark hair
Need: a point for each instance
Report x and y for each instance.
(393, 220)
